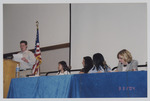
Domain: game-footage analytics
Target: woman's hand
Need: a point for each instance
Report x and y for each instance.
(99, 72)
(116, 70)
(134, 70)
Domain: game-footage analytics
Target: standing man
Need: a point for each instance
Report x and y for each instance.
(28, 59)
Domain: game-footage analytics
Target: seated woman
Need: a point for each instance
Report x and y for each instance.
(99, 64)
(87, 64)
(125, 61)
(63, 69)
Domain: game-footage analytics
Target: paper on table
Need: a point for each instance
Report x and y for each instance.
(17, 57)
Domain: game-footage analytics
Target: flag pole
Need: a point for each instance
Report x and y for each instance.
(37, 25)
(37, 53)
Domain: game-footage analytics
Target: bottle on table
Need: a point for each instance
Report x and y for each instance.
(17, 71)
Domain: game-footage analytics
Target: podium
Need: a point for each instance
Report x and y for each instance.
(9, 71)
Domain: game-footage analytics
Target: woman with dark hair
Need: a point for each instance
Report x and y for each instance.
(87, 64)
(99, 64)
(63, 69)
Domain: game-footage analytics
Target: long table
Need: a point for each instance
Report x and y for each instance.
(94, 85)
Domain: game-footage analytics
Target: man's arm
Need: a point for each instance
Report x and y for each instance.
(31, 58)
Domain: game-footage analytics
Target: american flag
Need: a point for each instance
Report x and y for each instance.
(37, 53)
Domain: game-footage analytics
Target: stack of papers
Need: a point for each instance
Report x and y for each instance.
(17, 57)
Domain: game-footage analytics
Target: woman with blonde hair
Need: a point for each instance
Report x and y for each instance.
(126, 63)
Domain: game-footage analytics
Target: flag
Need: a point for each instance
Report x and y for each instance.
(37, 53)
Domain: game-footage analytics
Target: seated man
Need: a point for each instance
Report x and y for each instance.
(28, 59)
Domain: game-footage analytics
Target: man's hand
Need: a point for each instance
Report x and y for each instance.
(25, 60)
